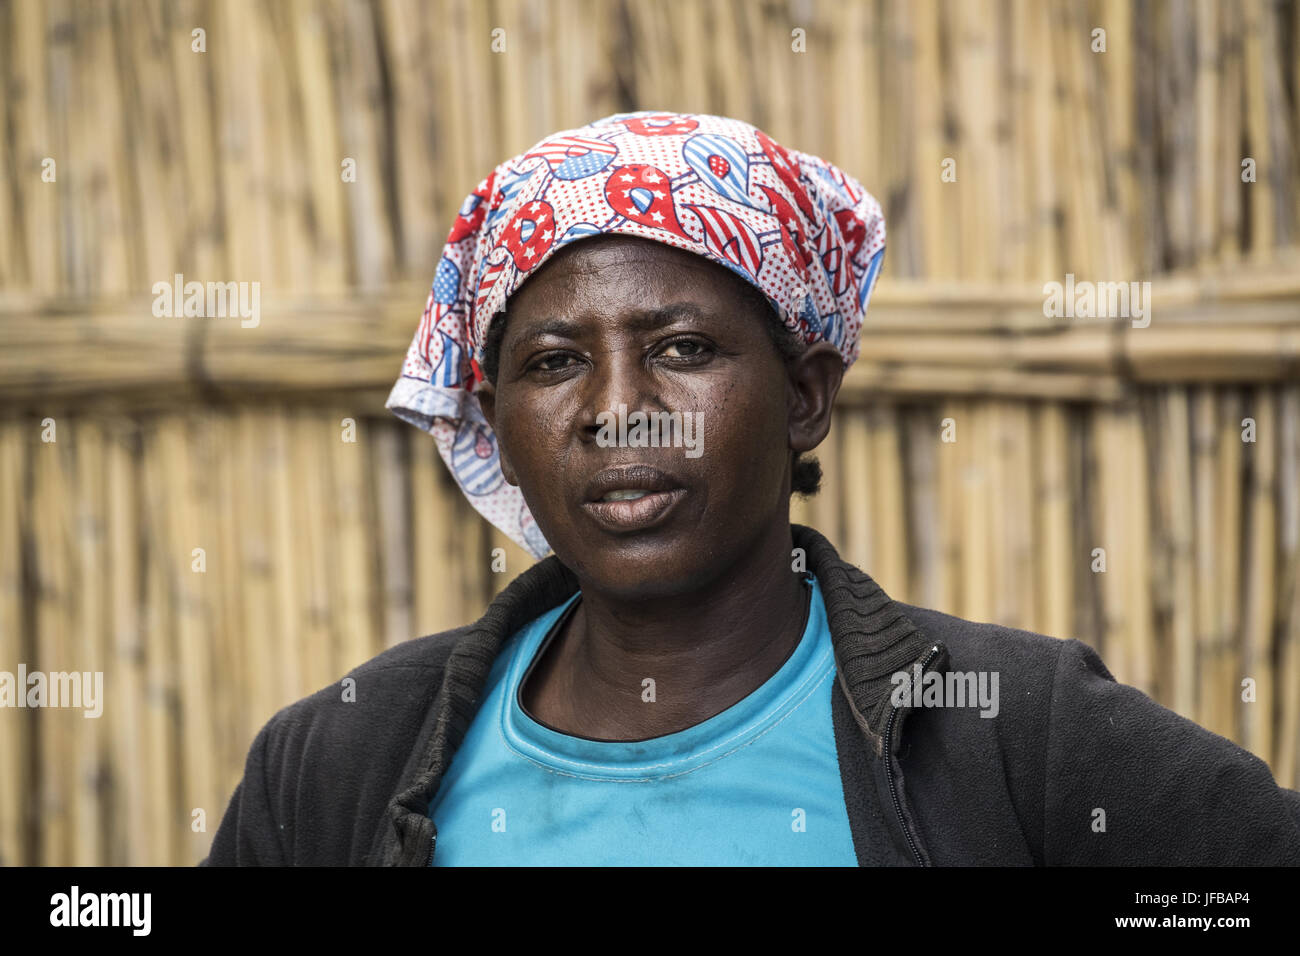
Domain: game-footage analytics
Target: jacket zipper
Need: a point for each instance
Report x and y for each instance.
(889, 769)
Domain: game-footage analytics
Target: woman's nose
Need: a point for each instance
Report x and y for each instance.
(618, 384)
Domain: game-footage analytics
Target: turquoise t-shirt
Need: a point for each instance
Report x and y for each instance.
(756, 785)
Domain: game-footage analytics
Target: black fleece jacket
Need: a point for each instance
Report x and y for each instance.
(1074, 768)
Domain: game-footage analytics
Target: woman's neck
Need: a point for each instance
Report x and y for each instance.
(704, 651)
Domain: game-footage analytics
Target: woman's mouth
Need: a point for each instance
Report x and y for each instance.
(632, 509)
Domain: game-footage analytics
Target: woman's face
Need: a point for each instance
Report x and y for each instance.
(623, 322)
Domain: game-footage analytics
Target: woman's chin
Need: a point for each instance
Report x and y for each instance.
(639, 570)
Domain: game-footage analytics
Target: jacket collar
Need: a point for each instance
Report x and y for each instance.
(871, 636)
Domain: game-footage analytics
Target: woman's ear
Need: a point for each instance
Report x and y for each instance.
(487, 400)
(814, 378)
(486, 394)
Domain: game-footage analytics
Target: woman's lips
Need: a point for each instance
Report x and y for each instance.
(634, 515)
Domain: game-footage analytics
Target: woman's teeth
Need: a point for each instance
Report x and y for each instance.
(628, 495)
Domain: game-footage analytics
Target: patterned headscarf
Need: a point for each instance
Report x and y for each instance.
(793, 225)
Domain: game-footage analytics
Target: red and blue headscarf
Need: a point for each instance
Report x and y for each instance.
(793, 225)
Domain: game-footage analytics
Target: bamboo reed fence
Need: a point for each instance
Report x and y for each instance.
(174, 434)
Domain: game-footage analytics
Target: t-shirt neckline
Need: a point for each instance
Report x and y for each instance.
(671, 754)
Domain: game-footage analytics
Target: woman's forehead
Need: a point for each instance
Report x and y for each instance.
(614, 270)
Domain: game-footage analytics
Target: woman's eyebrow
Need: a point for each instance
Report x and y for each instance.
(649, 320)
(562, 328)
(641, 320)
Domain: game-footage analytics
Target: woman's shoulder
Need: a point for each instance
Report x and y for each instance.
(385, 698)
(974, 645)
(323, 768)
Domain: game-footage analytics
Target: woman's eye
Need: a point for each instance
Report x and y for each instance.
(686, 348)
(551, 363)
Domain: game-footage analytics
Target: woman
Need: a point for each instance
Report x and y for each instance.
(689, 679)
